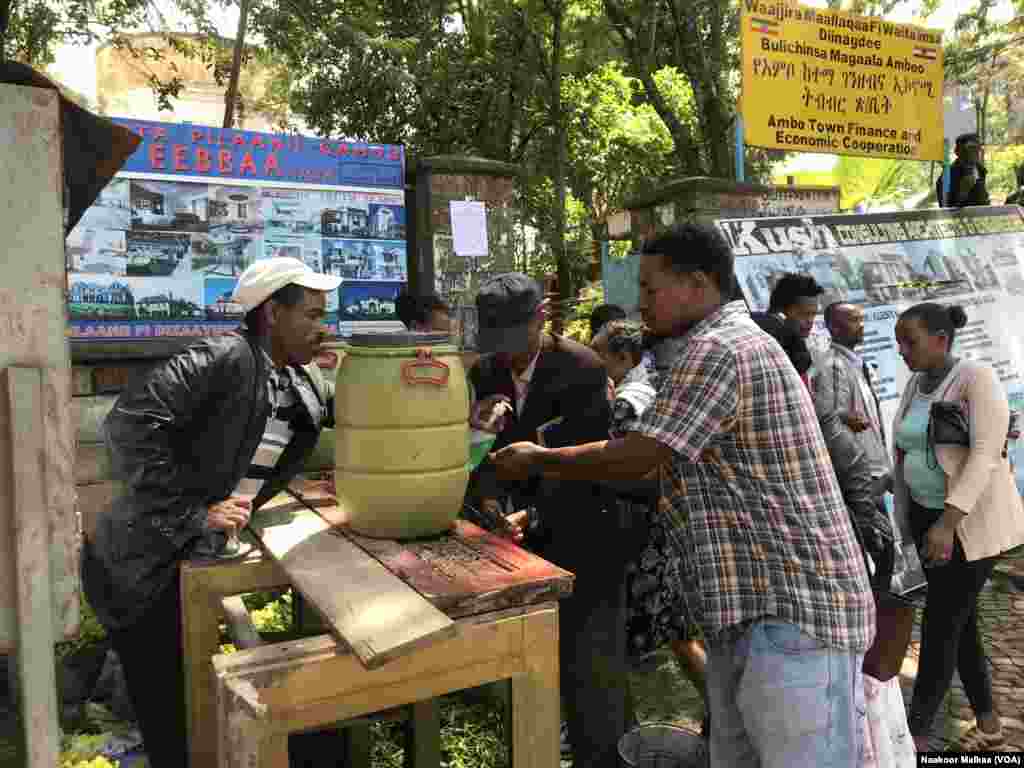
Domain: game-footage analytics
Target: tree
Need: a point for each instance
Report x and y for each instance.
(404, 71)
(699, 40)
(986, 57)
(30, 30)
(879, 181)
(617, 141)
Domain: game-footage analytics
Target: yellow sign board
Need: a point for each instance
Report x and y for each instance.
(817, 80)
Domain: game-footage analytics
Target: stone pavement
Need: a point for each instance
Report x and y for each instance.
(1001, 611)
(662, 693)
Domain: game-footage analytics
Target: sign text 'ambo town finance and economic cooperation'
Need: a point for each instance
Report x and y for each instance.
(827, 81)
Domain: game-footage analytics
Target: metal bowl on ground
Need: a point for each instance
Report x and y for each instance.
(661, 745)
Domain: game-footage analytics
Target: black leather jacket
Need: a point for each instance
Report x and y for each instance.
(181, 439)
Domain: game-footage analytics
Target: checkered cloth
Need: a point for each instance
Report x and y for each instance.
(756, 510)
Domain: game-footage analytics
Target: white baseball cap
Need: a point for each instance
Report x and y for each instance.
(259, 282)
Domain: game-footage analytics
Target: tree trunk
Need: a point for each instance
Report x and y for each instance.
(5, 20)
(236, 65)
(565, 287)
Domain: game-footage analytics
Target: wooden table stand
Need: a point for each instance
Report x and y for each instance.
(203, 585)
(266, 693)
(409, 621)
(206, 587)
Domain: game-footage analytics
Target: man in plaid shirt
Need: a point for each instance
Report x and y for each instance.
(772, 570)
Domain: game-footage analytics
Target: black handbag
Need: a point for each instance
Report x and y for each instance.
(948, 425)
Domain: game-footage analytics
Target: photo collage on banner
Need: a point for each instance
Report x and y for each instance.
(888, 262)
(161, 256)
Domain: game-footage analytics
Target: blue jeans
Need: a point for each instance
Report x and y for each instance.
(779, 698)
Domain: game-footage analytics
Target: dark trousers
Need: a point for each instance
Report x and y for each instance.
(592, 637)
(153, 662)
(950, 638)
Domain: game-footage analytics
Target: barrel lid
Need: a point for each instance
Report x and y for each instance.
(399, 339)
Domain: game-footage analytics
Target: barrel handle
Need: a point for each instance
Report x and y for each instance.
(425, 359)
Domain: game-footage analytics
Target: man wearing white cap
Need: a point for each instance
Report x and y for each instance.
(198, 443)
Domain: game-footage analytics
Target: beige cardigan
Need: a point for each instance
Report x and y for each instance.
(979, 481)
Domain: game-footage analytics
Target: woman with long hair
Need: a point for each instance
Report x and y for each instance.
(952, 484)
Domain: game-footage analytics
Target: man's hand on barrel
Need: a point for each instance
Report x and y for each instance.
(517, 461)
(230, 515)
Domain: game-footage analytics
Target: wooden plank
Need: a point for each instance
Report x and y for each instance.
(316, 681)
(37, 687)
(88, 414)
(468, 570)
(245, 740)
(203, 584)
(33, 328)
(368, 607)
(464, 572)
(64, 525)
(243, 631)
(536, 704)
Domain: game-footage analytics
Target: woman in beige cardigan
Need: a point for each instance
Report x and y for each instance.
(963, 509)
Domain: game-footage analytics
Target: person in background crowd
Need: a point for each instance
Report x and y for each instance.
(424, 313)
(1017, 197)
(795, 300)
(771, 568)
(655, 606)
(963, 507)
(790, 318)
(967, 175)
(601, 316)
(558, 386)
(198, 444)
(789, 339)
(851, 420)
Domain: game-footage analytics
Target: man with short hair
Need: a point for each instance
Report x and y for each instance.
(967, 175)
(555, 386)
(851, 421)
(795, 298)
(198, 444)
(771, 568)
(790, 318)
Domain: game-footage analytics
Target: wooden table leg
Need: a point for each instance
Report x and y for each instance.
(203, 585)
(200, 640)
(423, 735)
(536, 711)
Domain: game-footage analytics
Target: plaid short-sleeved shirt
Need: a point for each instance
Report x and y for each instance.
(754, 504)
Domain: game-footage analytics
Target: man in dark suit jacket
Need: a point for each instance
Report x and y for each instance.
(789, 339)
(549, 380)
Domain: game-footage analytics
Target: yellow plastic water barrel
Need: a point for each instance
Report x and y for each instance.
(401, 434)
(327, 361)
